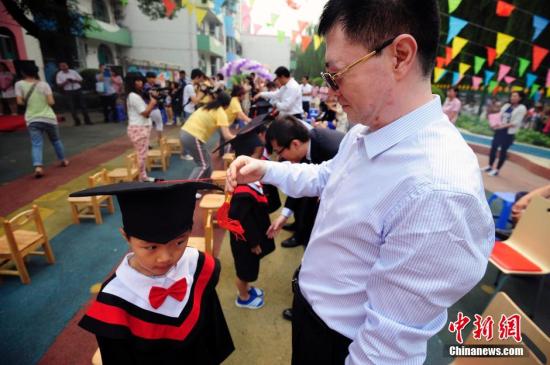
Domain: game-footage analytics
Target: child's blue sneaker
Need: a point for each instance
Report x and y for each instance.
(257, 291)
(254, 301)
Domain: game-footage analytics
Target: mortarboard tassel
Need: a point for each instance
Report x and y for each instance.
(232, 225)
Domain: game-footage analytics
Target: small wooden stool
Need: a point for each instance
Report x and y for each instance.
(212, 202)
(218, 177)
(227, 159)
(175, 146)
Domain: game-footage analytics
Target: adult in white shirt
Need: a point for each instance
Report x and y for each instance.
(403, 229)
(307, 91)
(70, 82)
(139, 122)
(288, 99)
(192, 95)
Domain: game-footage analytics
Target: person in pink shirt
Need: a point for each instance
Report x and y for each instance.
(452, 105)
(7, 91)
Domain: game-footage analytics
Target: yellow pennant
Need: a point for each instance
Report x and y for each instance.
(190, 8)
(458, 44)
(503, 41)
(463, 68)
(200, 14)
(317, 40)
(184, 3)
(439, 73)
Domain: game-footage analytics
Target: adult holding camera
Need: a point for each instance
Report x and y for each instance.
(288, 99)
(198, 129)
(192, 94)
(107, 85)
(150, 91)
(139, 121)
(70, 82)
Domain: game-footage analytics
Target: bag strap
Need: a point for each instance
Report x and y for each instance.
(31, 90)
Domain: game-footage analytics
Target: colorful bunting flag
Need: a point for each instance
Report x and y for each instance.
(455, 26)
(294, 35)
(458, 45)
(488, 76)
(274, 18)
(190, 8)
(503, 41)
(439, 73)
(453, 4)
(530, 80)
(292, 4)
(491, 55)
(504, 8)
(245, 10)
(538, 55)
(257, 28)
(440, 61)
(317, 40)
(448, 55)
(548, 78)
(492, 86)
(539, 24)
(478, 64)
(200, 14)
(502, 71)
(281, 36)
(302, 24)
(170, 6)
(463, 68)
(306, 40)
(548, 92)
(509, 79)
(456, 78)
(476, 81)
(123, 2)
(534, 90)
(523, 64)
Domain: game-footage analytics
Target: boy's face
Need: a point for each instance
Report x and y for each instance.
(156, 259)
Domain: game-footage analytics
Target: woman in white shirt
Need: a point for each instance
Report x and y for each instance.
(139, 123)
(511, 115)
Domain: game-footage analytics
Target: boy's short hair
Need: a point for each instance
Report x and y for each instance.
(282, 71)
(196, 73)
(285, 129)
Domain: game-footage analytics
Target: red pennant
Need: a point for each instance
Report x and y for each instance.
(306, 40)
(448, 55)
(440, 62)
(170, 6)
(302, 25)
(538, 55)
(504, 8)
(491, 55)
(233, 226)
(293, 4)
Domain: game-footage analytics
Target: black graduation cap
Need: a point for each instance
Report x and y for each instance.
(154, 211)
(246, 137)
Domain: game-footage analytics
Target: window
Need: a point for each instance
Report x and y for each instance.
(104, 55)
(8, 49)
(100, 11)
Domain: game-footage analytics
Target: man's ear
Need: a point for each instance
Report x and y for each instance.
(404, 57)
(124, 234)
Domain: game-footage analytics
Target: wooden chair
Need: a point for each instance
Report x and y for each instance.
(206, 243)
(527, 251)
(227, 159)
(128, 173)
(159, 158)
(90, 206)
(499, 305)
(18, 243)
(175, 146)
(211, 203)
(218, 177)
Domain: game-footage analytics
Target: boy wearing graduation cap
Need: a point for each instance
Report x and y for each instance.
(160, 306)
(249, 205)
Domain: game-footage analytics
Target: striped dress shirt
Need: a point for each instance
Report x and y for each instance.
(403, 232)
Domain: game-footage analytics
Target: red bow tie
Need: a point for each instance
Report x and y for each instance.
(158, 295)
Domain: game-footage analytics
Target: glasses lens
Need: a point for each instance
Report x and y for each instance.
(329, 80)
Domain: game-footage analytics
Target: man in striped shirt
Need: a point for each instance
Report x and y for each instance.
(403, 229)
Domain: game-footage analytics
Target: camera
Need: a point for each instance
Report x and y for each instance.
(159, 94)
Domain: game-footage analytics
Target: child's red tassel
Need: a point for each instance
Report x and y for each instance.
(232, 225)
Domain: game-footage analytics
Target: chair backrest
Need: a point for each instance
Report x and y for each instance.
(164, 146)
(209, 233)
(531, 236)
(502, 304)
(20, 220)
(97, 179)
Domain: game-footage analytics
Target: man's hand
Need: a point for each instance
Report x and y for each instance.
(276, 226)
(256, 97)
(518, 208)
(256, 250)
(242, 171)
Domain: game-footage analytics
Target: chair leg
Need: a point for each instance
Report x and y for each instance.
(74, 212)
(22, 269)
(48, 252)
(110, 205)
(97, 214)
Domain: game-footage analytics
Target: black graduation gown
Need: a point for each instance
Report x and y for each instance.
(128, 334)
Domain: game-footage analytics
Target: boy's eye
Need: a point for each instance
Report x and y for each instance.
(180, 243)
(150, 248)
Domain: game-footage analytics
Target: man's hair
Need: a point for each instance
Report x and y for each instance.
(222, 100)
(282, 71)
(182, 72)
(454, 88)
(151, 74)
(220, 76)
(371, 22)
(196, 73)
(284, 129)
(306, 77)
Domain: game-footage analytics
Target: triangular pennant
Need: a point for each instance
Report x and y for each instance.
(439, 73)
(294, 35)
(548, 78)
(539, 24)
(190, 8)
(257, 28)
(463, 68)
(491, 55)
(476, 81)
(281, 36)
(478, 64)
(503, 41)
(440, 61)
(302, 24)
(455, 26)
(274, 18)
(456, 78)
(218, 6)
(488, 76)
(534, 90)
(523, 64)
(184, 3)
(448, 55)
(509, 79)
(317, 40)
(453, 4)
(458, 45)
(504, 8)
(306, 40)
(170, 6)
(502, 71)
(548, 92)
(530, 79)
(200, 14)
(492, 85)
(538, 55)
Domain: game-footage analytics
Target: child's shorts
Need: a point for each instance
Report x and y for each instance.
(247, 264)
(156, 117)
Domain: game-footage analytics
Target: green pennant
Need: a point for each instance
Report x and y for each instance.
(523, 64)
(453, 4)
(492, 85)
(534, 89)
(281, 36)
(478, 64)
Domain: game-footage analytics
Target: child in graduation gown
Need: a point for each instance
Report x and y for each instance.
(249, 205)
(160, 306)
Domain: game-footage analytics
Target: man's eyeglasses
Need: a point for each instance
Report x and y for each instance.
(331, 77)
(280, 150)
